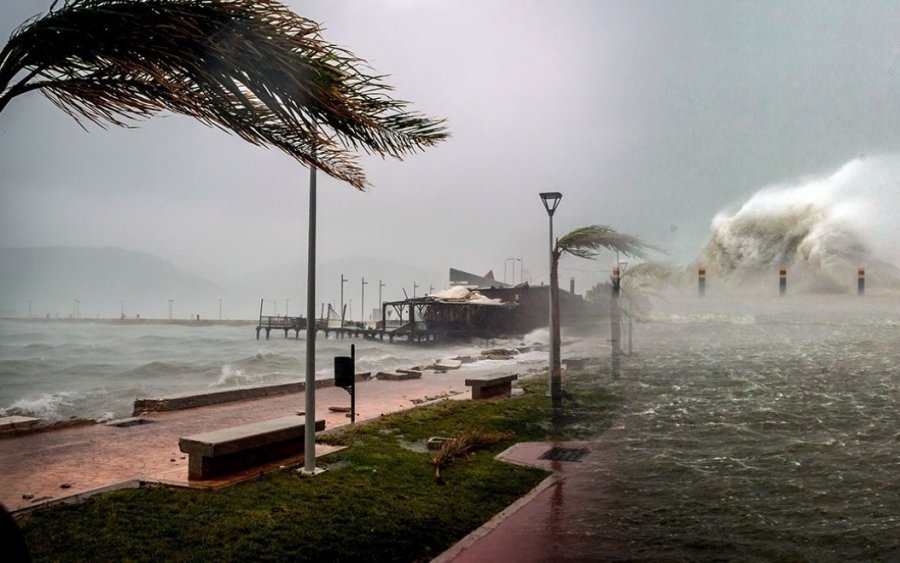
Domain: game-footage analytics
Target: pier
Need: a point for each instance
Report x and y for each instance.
(413, 333)
(286, 324)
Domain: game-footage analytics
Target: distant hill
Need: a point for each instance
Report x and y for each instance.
(102, 280)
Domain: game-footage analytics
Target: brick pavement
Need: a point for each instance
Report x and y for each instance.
(64, 463)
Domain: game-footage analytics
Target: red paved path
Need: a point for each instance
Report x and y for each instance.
(89, 457)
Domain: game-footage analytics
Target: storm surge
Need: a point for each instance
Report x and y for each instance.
(820, 229)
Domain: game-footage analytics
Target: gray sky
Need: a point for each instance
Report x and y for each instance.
(645, 115)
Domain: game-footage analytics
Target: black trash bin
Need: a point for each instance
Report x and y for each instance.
(344, 372)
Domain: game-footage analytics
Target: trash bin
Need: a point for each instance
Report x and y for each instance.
(344, 373)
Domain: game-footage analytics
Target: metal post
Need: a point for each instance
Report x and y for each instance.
(309, 442)
(353, 386)
(861, 281)
(551, 202)
(701, 281)
(616, 322)
(362, 306)
(415, 286)
(555, 378)
(782, 281)
(343, 281)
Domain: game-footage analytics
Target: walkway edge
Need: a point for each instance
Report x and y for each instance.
(456, 549)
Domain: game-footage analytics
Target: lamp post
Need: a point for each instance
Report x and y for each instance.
(551, 202)
(362, 303)
(343, 281)
(415, 287)
(380, 285)
(616, 315)
(309, 434)
(521, 262)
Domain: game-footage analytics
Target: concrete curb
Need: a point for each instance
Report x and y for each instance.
(456, 549)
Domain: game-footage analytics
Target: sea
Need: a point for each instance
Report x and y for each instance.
(752, 428)
(95, 369)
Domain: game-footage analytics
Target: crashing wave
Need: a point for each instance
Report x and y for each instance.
(821, 230)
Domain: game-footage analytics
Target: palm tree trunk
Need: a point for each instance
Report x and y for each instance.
(555, 375)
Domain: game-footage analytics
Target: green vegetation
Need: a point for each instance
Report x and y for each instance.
(380, 499)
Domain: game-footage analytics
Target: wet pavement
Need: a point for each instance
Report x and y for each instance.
(559, 520)
(552, 523)
(65, 463)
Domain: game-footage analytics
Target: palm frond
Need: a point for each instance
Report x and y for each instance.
(587, 242)
(251, 67)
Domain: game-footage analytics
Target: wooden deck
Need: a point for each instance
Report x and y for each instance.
(406, 332)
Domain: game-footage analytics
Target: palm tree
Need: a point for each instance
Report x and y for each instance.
(251, 67)
(584, 242)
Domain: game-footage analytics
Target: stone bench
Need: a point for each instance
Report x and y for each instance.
(220, 452)
(487, 387)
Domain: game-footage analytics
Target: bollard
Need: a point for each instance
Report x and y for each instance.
(701, 281)
(861, 281)
(782, 281)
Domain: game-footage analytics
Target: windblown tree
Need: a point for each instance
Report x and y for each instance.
(251, 67)
(584, 242)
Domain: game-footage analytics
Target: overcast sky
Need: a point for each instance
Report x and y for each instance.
(647, 116)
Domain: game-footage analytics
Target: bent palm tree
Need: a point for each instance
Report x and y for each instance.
(584, 242)
(252, 67)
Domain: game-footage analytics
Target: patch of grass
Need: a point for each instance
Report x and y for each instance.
(380, 502)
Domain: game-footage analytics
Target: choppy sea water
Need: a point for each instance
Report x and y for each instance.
(59, 369)
(766, 431)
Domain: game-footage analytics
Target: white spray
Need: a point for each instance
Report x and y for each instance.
(821, 229)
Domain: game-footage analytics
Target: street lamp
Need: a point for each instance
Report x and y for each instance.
(521, 270)
(343, 281)
(309, 434)
(362, 305)
(616, 315)
(551, 202)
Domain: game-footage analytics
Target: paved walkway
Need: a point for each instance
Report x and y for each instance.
(48, 466)
(558, 521)
(561, 520)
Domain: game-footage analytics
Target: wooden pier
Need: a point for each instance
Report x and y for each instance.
(296, 324)
(410, 329)
(286, 324)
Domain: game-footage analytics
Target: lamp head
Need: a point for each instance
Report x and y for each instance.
(551, 201)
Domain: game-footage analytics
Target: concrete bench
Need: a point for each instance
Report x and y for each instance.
(219, 452)
(487, 387)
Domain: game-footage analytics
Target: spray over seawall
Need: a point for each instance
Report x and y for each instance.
(820, 229)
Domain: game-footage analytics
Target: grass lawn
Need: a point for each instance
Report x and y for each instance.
(379, 501)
